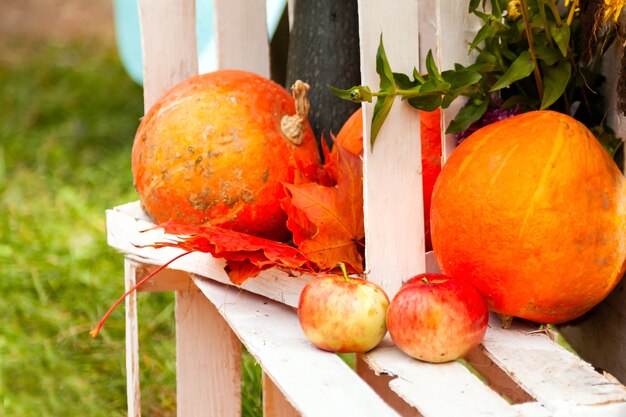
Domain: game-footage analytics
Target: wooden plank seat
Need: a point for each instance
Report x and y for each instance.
(534, 375)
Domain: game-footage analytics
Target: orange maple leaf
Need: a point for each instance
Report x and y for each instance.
(336, 212)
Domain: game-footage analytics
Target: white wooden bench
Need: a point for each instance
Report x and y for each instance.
(515, 372)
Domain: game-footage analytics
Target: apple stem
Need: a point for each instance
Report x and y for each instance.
(342, 266)
(425, 280)
(94, 333)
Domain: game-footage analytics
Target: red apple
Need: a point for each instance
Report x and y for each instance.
(343, 314)
(436, 318)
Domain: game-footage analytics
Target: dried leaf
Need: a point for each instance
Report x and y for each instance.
(246, 255)
(337, 213)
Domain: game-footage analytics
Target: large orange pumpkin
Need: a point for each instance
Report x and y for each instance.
(532, 211)
(351, 138)
(212, 150)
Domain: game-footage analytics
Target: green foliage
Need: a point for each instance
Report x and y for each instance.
(527, 55)
(68, 114)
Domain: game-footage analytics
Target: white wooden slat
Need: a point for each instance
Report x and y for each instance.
(208, 359)
(428, 16)
(316, 383)
(393, 206)
(168, 41)
(241, 35)
(456, 29)
(124, 230)
(291, 9)
(133, 392)
(555, 377)
(437, 390)
(274, 402)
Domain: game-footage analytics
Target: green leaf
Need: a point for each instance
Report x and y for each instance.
(461, 78)
(486, 31)
(521, 68)
(468, 115)
(561, 36)
(431, 67)
(404, 82)
(356, 94)
(607, 138)
(495, 8)
(418, 76)
(381, 111)
(555, 79)
(433, 85)
(548, 55)
(384, 70)
(428, 102)
(473, 5)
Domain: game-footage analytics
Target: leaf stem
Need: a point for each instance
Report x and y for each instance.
(531, 47)
(544, 19)
(94, 332)
(555, 12)
(342, 266)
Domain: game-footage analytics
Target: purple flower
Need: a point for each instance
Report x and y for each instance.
(492, 115)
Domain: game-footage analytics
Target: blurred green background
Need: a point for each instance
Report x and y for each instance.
(68, 114)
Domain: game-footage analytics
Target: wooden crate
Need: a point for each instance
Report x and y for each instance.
(516, 372)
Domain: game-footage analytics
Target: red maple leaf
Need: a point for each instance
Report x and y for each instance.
(336, 212)
(246, 255)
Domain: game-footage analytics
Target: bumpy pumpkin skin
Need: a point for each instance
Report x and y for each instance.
(532, 211)
(211, 151)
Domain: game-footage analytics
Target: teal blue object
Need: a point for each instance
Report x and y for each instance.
(128, 34)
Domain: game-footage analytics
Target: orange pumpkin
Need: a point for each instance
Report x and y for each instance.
(211, 150)
(351, 137)
(532, 211)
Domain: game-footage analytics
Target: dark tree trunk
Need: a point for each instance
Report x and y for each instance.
(324, 50)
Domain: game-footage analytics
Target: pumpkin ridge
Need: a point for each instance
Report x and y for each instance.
(503, 163)
(543, 179)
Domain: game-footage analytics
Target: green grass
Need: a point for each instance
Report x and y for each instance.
(68, 114)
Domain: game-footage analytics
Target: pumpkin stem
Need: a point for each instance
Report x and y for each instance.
(293, 127)
(506, 320)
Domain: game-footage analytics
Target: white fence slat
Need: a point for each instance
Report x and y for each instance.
(274, 402)
(393, 206)
(208, 359)
(126, 223)
(428, 16)
(316, 383)
(133, 392)
(241, 35)
(554, 376)
(168, 43)
(456, 29)
(438, 390)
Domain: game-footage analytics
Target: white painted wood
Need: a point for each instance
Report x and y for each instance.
(456, 29)
(126, 223)
(168, 43)
(380, 384)
(291, 8)
(392, 183)
(555, 377)
(241, 35)
(208, 360)
(428, 17)
(133, 392)
(316, 383)
(437, 390)
(274, 402)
